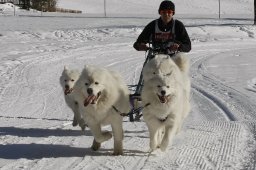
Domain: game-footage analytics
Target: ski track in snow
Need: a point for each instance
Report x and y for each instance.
(233, 104)
(43, 138)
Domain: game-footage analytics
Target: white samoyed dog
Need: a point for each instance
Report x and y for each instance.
(161, 65)
(105, 95)
(161, 62)
(68, 80)
(166, 90)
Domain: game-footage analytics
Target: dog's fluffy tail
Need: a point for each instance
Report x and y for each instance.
(182, 62)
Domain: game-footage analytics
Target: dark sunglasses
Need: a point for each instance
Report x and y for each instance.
(166, 11)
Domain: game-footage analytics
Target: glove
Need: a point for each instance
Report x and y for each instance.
(174, 47)
(142, 47)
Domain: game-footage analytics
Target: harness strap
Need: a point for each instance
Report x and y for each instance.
(173, 30)
(118, 111)
(115, 109)
(133, 111)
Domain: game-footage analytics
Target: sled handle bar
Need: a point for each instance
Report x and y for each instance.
(153, 51)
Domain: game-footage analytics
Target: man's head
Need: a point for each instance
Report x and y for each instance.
(166, 5)
(166, 10)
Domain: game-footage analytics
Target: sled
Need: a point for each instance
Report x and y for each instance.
(135, 99)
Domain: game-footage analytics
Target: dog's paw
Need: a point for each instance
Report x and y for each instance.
(95, 145)
(74, 123)
(153, 146)
(83, 126)
(81, 122)
(163, 146)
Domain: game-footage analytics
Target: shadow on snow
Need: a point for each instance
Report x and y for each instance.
(33, 132)
(39, 151)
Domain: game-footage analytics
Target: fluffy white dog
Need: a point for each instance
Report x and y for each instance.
(160, 64)
(166, 89)
(104, 92)
(67, 80)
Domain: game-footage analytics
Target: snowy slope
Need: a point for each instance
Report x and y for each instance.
(36, 125)
(189, 7)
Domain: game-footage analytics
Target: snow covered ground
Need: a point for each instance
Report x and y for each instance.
(36, 125)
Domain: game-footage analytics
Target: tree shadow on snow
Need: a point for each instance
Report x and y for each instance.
(34, 132)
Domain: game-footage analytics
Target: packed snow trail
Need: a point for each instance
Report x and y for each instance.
(36, 125)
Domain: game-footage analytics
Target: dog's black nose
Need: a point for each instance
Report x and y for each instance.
(89, 91)
(163, 92)
(66, 86)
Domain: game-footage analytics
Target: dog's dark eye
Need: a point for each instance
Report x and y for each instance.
(96, 82)
(72, 80)
(168, 87)
(86, 84)
(168, 74)
(158, 86)
(154, 72)
(65, 80)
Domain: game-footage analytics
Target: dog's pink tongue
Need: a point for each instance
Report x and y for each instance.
(89, 100)
(163, 99)
(67, 91)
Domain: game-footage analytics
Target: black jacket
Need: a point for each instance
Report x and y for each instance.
(181, 35)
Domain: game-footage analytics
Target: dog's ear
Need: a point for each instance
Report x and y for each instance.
(65, 67)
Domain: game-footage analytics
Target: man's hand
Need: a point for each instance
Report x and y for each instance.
(174, 47)
(142, 47)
